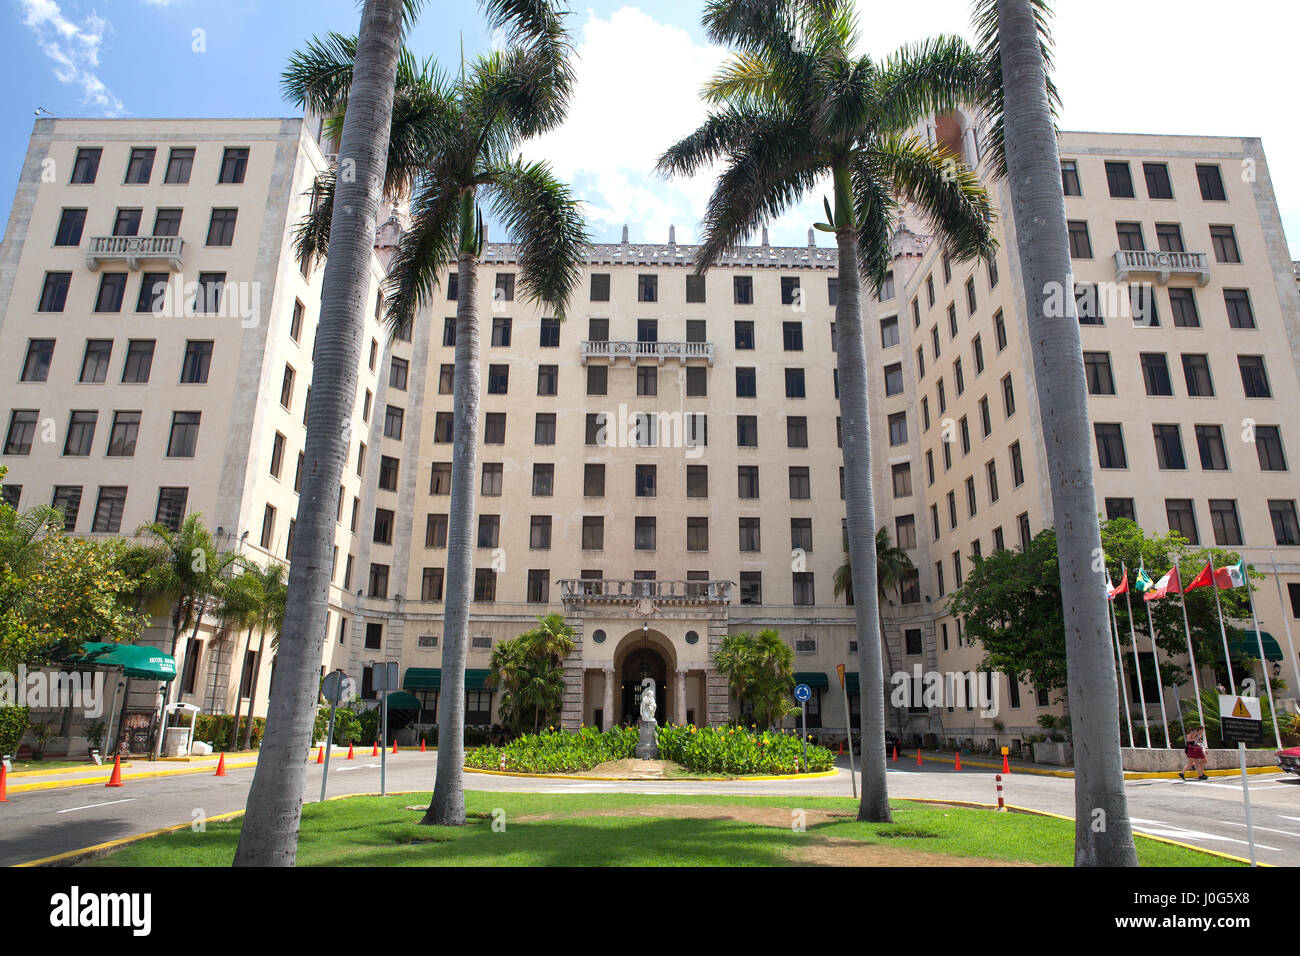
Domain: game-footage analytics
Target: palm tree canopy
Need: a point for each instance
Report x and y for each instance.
(796, 104)
(891, 563)
(453, 150)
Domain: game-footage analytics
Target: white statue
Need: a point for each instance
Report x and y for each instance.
(648, 699)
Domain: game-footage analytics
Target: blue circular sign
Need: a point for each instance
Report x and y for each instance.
(802, 692)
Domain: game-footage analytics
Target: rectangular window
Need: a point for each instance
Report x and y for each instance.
(1224, 241)
(697, 534)
(72, 222)
(747, 431)
(489, 531)
(991, 475)
(498, 382)
(1070, 178)
(1080, 242)
(1008, 396)
(1000, 330)
(803, 589)
(744, 335)
(1210, 179)
(742, 290)
(1254, 376)
(800, 485)
(167, 222)
(1286, 531)
(544, 429)
(221, 228)
(1119, 179)
(792, 336)
(644, 534)
(139, 168)
(1213, 452)
(493, 474)
(1110, 445)
(1158, 183)
(747, 481)
(112, 290)
(647, 288)
(1182, 518)
(1169, 237)
(697, 481)
(234, 165)
(179, 166)
(22, 429)
(108, 510)
(750, 536)
(139, 361)
(539, 532)
(197, 363)
(67, 499)
(184, 437)
(383, 533)
(124, 434)
(171, 507)
(1017, 466)
(435, 531)
(431, 583)
(1182, 303)
(127, 222)
(898, 428)
(1196, 373)
(1268, 446)
(1097, 369)
(593, 480)
(81, 434)
(593, 533)
(501, 332)
(94, 365)
(794, 383)
(1224, 520)
(549, 334)
(1169, 447)
(208, 298)
(600, 287)
(86, 166)
(1120, 508)
(1155, 374)
(1240, 313)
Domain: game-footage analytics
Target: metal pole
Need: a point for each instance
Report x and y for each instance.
(1123, 686)
(1160, 685)
(329, 746)
(1245, 795)
(1286, 620)
(1263, 661)
(1137, 661)
(848, 725)
(383, 751)
(803, 709)
(1187, 629)
(1227, 654)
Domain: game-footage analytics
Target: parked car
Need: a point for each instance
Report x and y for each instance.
(1289, 760)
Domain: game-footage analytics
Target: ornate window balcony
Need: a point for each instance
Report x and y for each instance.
(1163, 264)
(133, 250)
(646, 351)
(632, 591)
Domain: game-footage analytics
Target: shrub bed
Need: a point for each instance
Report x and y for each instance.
(215, 729)
(557, 751)
(735, 750)
(13, 724)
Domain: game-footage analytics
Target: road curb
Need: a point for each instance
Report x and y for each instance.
(574, 776)
(126, 777)
(1128, 774)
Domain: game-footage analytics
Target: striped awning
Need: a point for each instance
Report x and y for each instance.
(815, 680)
(430, 678)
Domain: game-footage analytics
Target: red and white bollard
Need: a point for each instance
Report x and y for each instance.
(1002, 807)
(503, 762)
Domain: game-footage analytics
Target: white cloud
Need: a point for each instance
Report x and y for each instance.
(74, 50)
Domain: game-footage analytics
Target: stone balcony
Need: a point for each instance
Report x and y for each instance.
(1164, 264)
(134, 250)
(646, 351)
(633, 591)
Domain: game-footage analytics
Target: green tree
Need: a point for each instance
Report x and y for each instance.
(760, 670)
(269, 836)
(794, 106)
(270, 622)
(529, 671)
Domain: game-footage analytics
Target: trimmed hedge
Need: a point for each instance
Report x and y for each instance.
(557, 751)
(734, 750)
(215, 729)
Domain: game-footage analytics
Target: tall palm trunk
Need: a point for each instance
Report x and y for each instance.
(855, 430)
(447, 806)
(238, 664)
(1102, 833)
(270, 833)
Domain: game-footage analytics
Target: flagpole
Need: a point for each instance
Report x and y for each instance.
(1263, 661)
(1286, 620)
(1187, 629)
(1123, 689)
(1227, 654)
(1137, 662)
(1160, 684)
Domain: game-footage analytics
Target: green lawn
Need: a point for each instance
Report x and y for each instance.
(645, 830)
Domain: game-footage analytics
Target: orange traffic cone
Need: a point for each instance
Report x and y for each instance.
(4, 783)
(221, 767)
(320, 754)
(375, 751)
(394, 746)
(116, 779)
(957, 763)
(422, 745)
(895, 753)
(351, 753)
(918, 755)
(1006, 767)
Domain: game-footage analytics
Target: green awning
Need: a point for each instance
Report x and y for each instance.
(422, 678)
(430, 678)
(1248, 646)
(401, 700)
(814, 680)
(851, 683)
(144, 663)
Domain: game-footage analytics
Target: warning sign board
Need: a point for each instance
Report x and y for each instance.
(1241, 720)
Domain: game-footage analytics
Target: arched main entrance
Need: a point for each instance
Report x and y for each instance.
(642, 654)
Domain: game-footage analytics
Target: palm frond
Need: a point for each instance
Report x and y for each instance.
(311, 236)
(933, 76)
(875, 209)
(526, 90)
(541, 214)
(723, 132)
(753, 24)
(426, 247)
(319, 76)
(944, 189)
(993, 100)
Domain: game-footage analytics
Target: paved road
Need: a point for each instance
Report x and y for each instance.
(40, 824)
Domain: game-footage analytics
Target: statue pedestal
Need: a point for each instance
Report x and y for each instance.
(647, 745)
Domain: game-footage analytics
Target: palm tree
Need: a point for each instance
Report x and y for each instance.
(240, 609)
(734, 660)
(891, 564)
(507, 671)
(185, 568)
(773, 681)
(453, 148)
(270, 833)
(1020, 99)
(793, 107)
(271, 621)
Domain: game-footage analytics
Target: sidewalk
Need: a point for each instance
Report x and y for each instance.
(984, 762)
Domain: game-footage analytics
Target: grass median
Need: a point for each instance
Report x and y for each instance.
(525, 829)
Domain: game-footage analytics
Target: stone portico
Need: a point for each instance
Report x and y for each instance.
(628, 629)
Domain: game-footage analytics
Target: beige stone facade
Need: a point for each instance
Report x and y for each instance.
(728, 517)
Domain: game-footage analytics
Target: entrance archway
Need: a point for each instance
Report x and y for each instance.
(642, 654)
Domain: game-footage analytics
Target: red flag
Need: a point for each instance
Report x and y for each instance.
(1203, 580)
(1167, 585)
(1119, 588)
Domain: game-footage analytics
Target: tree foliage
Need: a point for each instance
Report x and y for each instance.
(760, 670)
(529, 673)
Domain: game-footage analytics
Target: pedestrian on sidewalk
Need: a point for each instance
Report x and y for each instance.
(1195, 751)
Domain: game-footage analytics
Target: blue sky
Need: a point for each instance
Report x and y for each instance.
(1122, 66)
